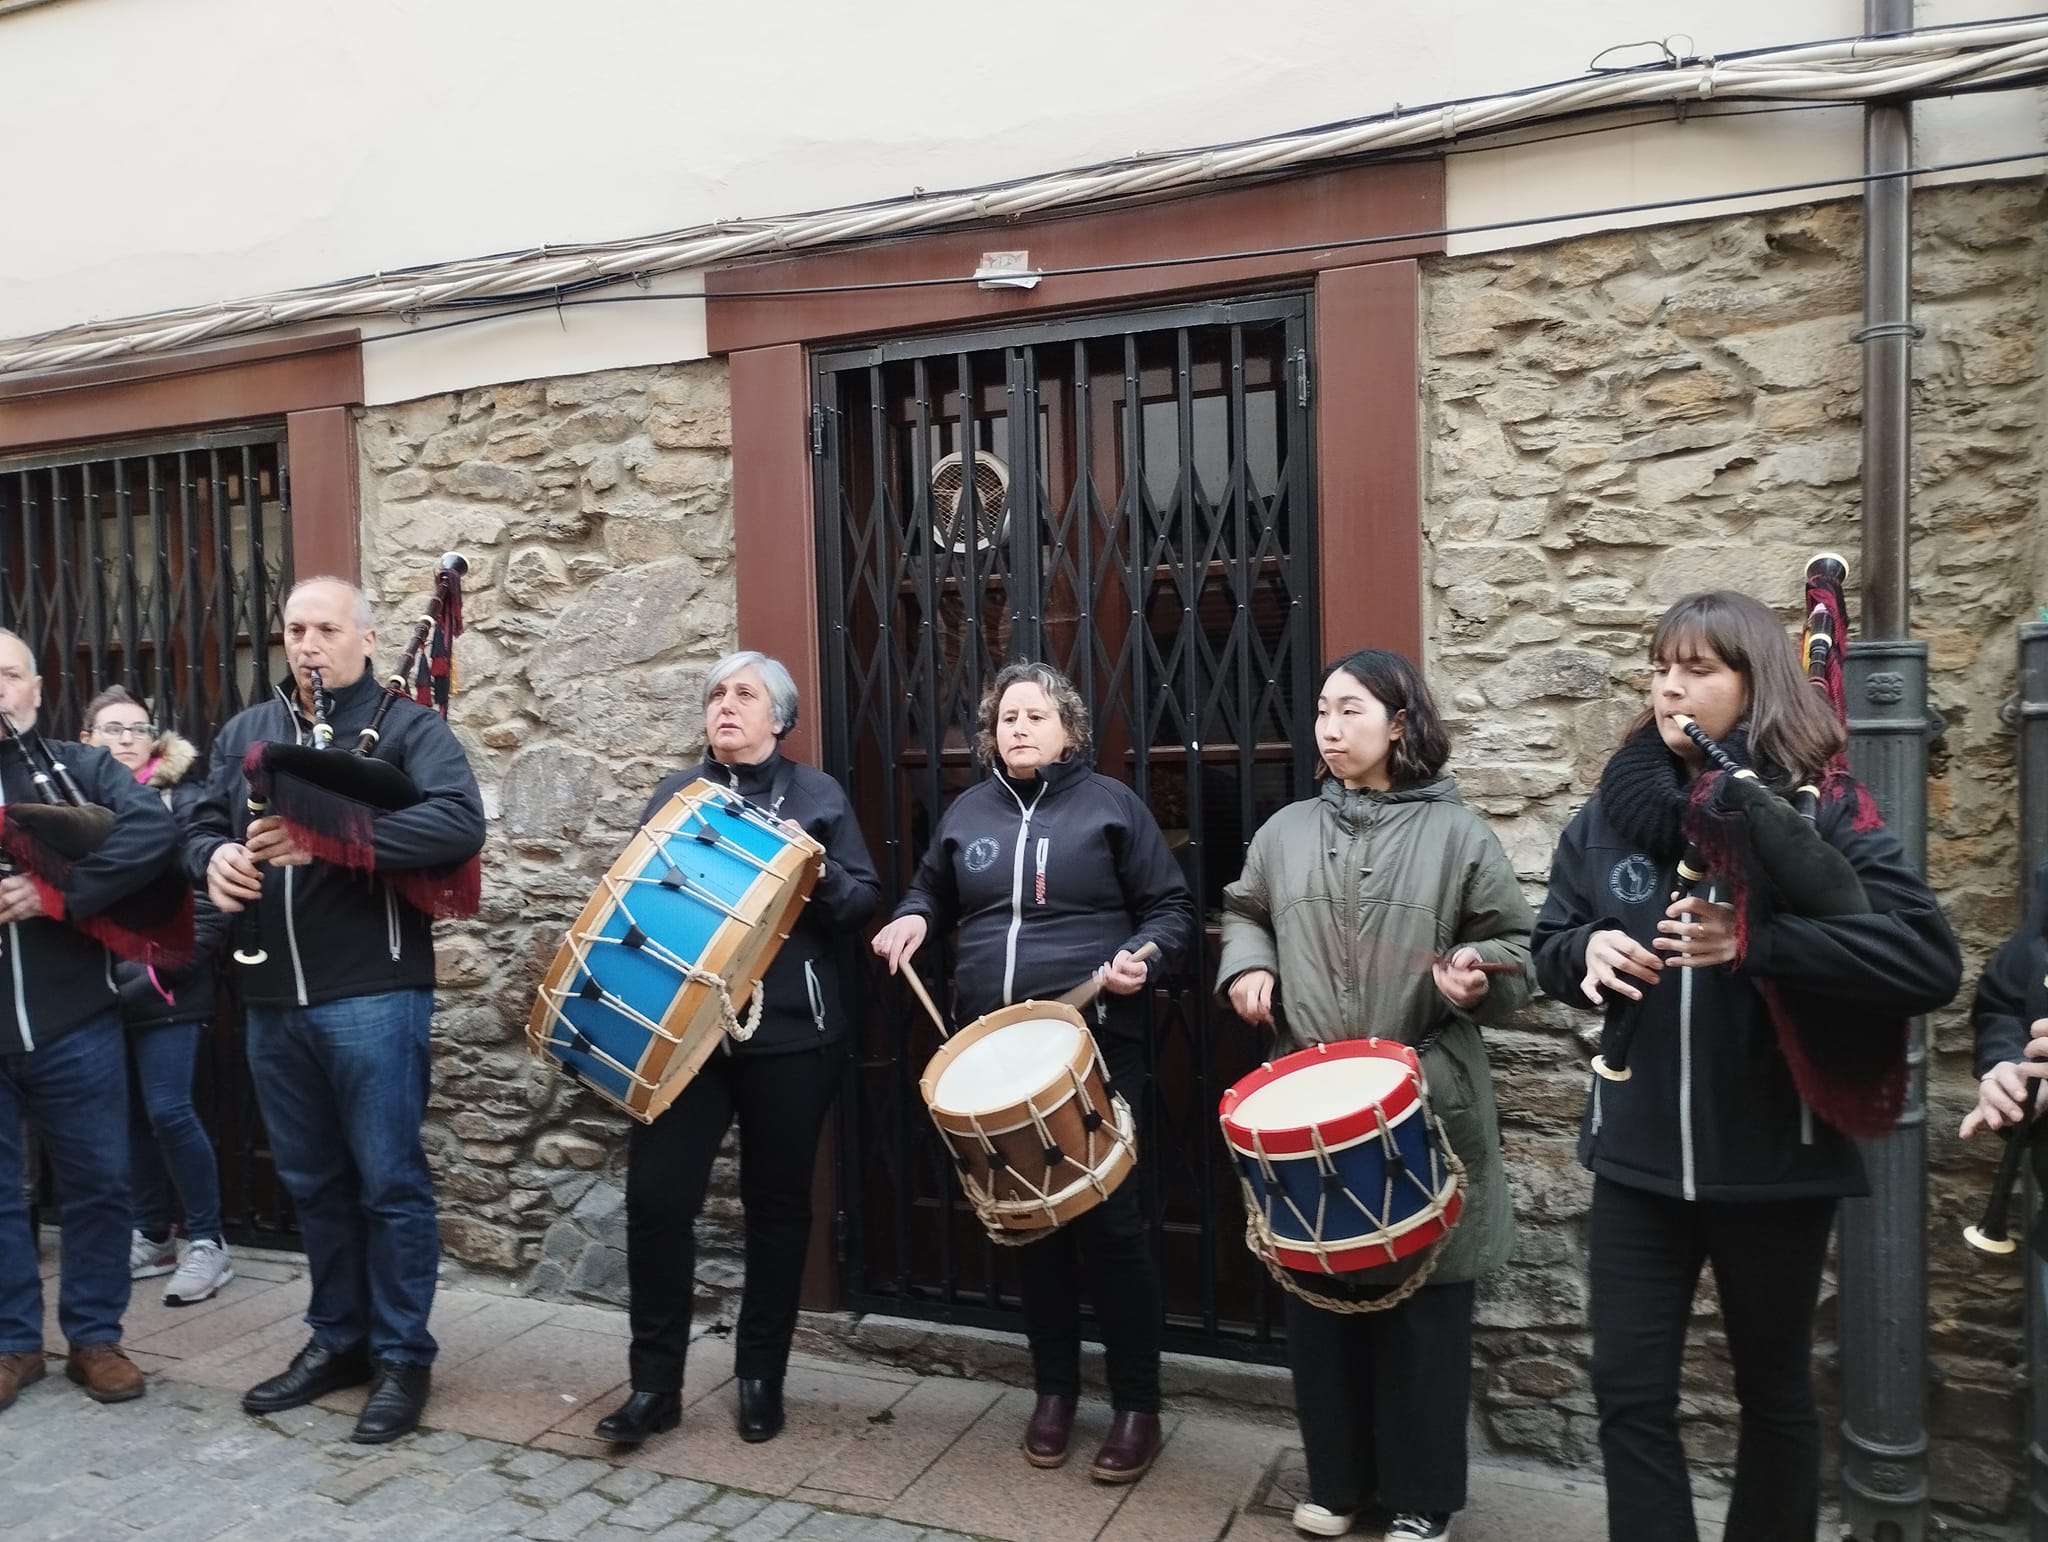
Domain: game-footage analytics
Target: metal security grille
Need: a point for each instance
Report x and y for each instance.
(1131, 501)
(162, 567)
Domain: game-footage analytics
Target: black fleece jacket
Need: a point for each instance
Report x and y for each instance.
(332, 933)
(1047, 880)
(1710, 1111)
(2014, 990)
(804, 994)
(52, 977)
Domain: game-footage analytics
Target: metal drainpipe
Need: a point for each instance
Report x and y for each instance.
(1883, 1301)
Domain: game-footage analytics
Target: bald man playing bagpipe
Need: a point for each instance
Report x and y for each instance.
(333, 880)
(81, 840)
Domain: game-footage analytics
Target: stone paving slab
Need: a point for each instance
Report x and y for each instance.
(872, 1452)
(184, 1464)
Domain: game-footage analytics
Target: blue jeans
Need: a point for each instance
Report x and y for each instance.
(167, 1145)
(343, 1089)
(76, 1092)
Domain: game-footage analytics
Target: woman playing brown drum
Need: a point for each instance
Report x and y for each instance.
(1052, 873)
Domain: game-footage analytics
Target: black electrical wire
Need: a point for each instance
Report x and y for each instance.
(1444, 232)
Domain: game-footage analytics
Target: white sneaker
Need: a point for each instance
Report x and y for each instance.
(1415, 1527)
(204, 1270)
(147, 1258)
(1316, 1521)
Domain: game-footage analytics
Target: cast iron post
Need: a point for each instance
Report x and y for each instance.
(2033, 769)
(1883, 1303)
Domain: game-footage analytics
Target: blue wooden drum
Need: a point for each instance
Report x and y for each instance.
(662, 962)
(1342, 1165)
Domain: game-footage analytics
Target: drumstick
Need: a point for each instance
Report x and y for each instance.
(1484, 966)
(917, 989)
(1090, 988)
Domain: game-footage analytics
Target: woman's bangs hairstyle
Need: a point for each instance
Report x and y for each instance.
(1419, 754)
(1790, 723)
(112, 696)
(1065, 699)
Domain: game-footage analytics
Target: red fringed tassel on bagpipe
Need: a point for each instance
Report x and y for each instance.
(1848, 1063)
(330, 799)
(150, 926)
(435, 681)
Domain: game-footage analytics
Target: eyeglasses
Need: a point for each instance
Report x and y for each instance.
(126, 730)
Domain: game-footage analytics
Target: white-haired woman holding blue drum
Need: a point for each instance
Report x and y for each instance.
(778, 1084)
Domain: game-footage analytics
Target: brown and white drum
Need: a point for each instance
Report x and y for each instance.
(680, 931)
(1022, 1098)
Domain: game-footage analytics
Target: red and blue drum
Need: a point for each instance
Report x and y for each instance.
(1344, 1169)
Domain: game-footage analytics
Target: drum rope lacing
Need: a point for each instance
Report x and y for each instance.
(989, 1210)
(1260, 1237)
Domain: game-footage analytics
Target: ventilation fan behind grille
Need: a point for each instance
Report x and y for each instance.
(951, 527)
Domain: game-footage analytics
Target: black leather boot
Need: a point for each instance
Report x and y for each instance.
(760, 1408)
(641, 1415)
(398, 1396)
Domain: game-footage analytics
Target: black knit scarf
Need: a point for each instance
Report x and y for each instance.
(1646, 793)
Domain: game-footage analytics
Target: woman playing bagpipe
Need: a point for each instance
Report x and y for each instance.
(166, 1013)
(1052, 874)
(1768, 1006)
(1384, 907)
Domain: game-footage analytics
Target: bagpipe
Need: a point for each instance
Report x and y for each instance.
(329, 799)
(43, 841)
(1989, 1234)
(1747, 834)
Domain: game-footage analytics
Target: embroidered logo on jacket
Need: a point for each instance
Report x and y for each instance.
(1633, 879)
(981, 856)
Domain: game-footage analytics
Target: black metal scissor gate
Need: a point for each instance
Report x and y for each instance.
(162, 566)
(1129, 499)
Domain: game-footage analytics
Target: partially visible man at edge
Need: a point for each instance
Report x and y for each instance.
(62, 1061)
(338, 1014)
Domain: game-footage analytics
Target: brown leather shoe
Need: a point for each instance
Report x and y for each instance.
(1128, 1450)
(17, 1371)
(1051, 1427)
(106, 1373)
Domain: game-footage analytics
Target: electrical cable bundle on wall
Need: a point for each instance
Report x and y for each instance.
(1978, 57)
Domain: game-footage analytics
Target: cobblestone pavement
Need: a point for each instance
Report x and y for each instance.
(872, 1452)
(186, 1465)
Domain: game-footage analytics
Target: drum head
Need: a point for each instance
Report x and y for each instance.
(1319, 1093)
(1010, 1064)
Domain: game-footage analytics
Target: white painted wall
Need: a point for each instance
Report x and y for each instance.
(183, 152)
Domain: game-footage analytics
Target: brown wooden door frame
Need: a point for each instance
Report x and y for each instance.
(1352, 237)
(311, 382)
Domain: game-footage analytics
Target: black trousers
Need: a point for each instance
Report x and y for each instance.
(1108, 1253)
(781, 1102)
(1382, 1400)
(1645, 1256)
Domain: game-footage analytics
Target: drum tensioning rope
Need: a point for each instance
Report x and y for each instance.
(988, 1209)
(1260, 1239)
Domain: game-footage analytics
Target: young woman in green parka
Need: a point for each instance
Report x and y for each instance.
(1366, 911)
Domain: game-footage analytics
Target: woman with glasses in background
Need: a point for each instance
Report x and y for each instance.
(166, 1016)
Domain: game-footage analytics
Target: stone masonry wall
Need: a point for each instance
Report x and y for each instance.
(1617, 420)
(596, 514)
(1610, 422)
